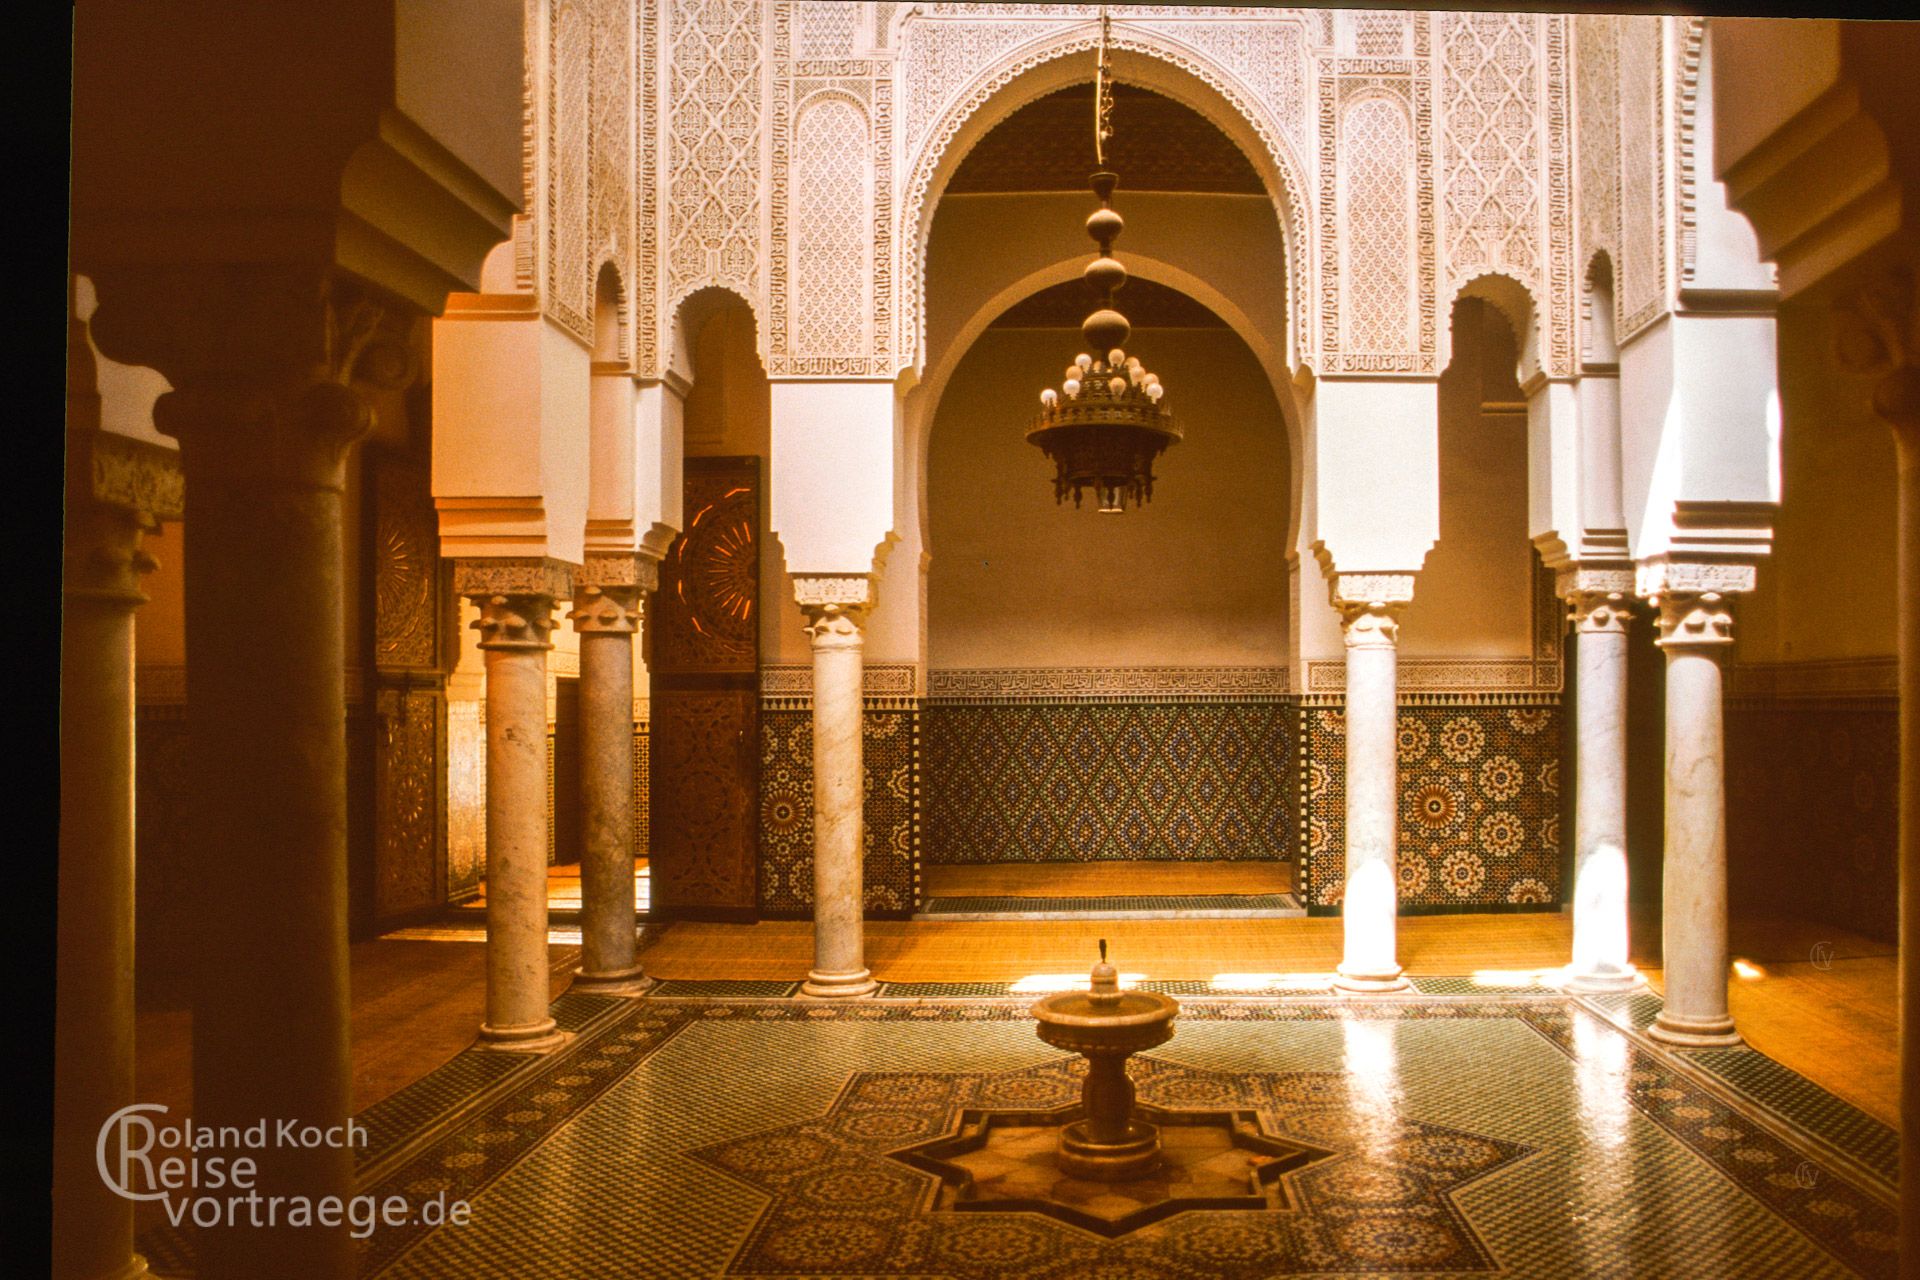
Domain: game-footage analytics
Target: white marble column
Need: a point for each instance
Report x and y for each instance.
(1696, 630)
(836, 609)
(516, 601)
(608, 600)
(1370, 606)
(94, 1017)
(1600, 602)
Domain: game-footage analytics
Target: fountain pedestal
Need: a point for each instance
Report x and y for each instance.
(1106, 1025)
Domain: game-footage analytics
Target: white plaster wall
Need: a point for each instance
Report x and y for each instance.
(1197, 577)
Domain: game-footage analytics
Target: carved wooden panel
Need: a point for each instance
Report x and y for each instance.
(411, 735)
(703, 661)
(705, 845)
(705, 613)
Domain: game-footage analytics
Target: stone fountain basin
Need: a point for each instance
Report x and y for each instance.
(1080, 1023)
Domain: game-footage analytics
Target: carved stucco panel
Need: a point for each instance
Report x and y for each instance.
(946, 70)
(713, 145)
(1642, 265)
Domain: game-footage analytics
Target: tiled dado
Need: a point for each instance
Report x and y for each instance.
(1813, 807)
(1109, 779)
(890, 744)
(1479, 804)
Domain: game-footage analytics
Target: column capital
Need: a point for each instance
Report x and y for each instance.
(1654, 579)
(619, 569)
(1599, 599)
(1696, 620)
(515, 596)
(118, 489)
(1370, 605)
(609, 609)
(1876, 332)
(836, 606)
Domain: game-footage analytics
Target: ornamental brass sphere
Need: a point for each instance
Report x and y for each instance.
(1104, 225)
(1105, 274)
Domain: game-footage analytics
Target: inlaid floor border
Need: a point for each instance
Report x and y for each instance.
(447, 1133)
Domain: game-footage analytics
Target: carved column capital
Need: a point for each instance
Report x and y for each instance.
(610, 609)
(1695, 600)
(118, 489)
(619, 569)
(836, 606)
(1370, 605)
(271, 366)
(1876, 332)
(1696, 620)
(515, 596)
(1599, 600)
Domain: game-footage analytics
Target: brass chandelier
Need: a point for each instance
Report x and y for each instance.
(1104, 427)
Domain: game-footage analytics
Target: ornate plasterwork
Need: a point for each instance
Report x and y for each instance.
(1107, 684)
(713, 108)
(1686, 102)
(820, 591)
(1642, 286)
(1597, 107)
(136, 475)
(948, 69)
(513, 576)
(830, 276)
(1687, 577)
(1507, 200)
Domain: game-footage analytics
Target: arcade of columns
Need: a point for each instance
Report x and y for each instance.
(266, 400)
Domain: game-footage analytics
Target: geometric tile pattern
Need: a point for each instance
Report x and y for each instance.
(889, 744)
(1109, 780)
(1813, 809)
(1479, 806)
(598, 1160)
(1796, 1099)
(842, 1204)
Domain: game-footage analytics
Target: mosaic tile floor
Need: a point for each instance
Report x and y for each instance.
(1523, 1135)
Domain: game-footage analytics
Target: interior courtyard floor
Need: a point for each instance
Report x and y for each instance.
(1481, 1122)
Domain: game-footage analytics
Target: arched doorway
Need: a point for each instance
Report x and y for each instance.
(1107, 716)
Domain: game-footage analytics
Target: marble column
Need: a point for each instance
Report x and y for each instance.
(1600, 602)
(836, 608)
(1370, 606)
(516, 602)
(608, 599)
(117, 489)
(264, 435)
(1696, 631)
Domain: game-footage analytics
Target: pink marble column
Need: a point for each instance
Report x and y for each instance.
(607, 610)
(835, 609)
(516, 601)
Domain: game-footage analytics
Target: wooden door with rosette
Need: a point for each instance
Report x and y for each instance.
(703, 642)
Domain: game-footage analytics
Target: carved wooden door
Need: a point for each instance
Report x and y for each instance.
(704, 662)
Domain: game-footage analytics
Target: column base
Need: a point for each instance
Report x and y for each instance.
(1627, 979)
(135, 1269)
(1694, 1033)
(616, 982)
(1370, 982)
(531, 1037)
(836, 986)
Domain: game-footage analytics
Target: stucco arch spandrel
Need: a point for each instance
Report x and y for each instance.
(691, 310)
(923, 404)
(1063, 56)
(1517, 305)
